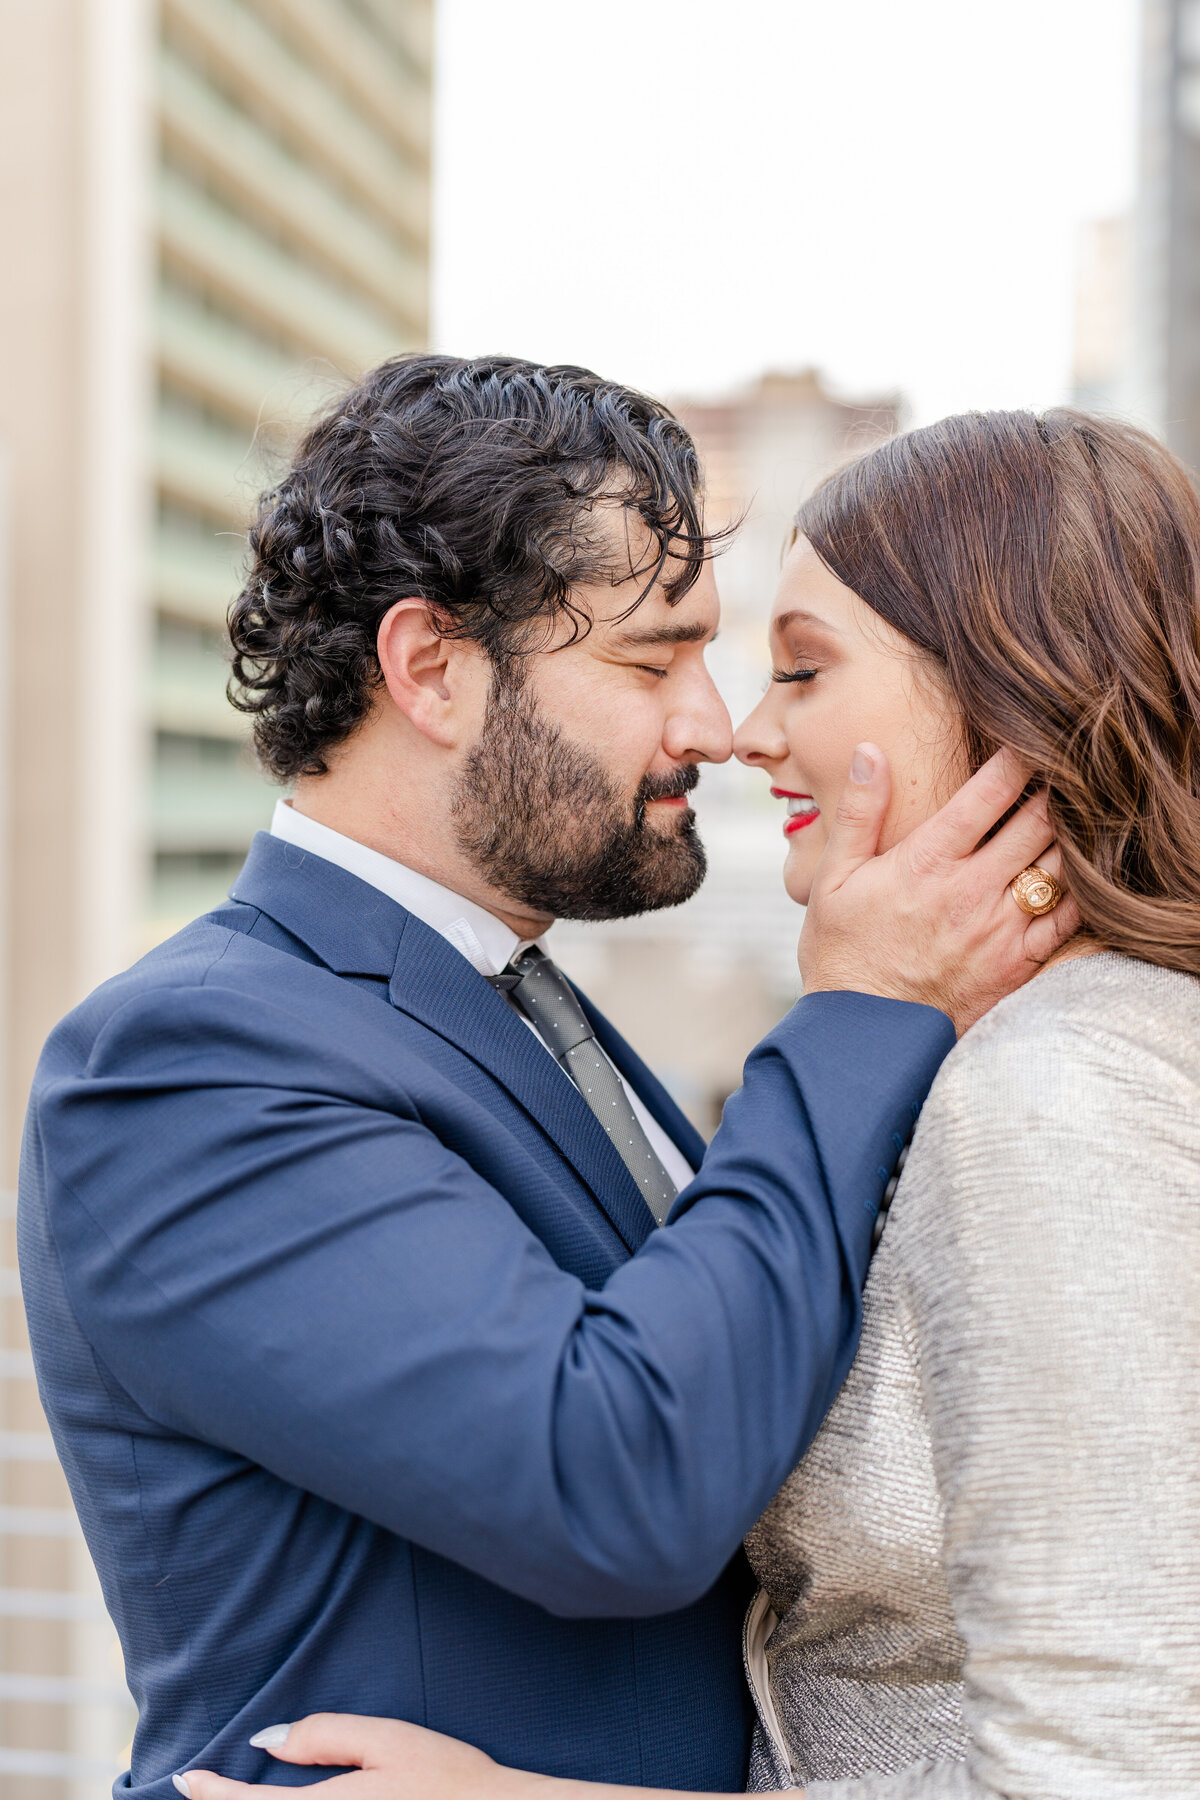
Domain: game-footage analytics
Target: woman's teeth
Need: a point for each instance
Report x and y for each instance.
(800, 813)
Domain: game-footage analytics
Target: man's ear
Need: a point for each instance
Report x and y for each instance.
(431, 679)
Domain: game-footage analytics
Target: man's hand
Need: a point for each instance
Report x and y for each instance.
(932, 919)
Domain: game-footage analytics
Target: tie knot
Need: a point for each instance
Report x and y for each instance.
(515, 970)
(546, 997)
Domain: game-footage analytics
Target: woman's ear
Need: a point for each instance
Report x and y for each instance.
(429, 678)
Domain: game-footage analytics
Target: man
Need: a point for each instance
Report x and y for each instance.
(377, 1386)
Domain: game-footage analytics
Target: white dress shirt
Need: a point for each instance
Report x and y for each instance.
(486, 941)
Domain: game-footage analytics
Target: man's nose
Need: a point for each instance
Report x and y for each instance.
(700, 729)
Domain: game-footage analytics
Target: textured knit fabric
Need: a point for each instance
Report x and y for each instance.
(986, 1571)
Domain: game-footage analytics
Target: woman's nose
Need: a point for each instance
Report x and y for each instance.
(759, 737)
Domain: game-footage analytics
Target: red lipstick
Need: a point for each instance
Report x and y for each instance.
(802, 810)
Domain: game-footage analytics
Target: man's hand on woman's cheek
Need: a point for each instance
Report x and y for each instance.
(932, 919)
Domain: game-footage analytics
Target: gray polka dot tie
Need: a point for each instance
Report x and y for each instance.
(547, 999)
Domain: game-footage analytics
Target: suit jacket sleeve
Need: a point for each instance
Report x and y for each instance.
(321, 1286)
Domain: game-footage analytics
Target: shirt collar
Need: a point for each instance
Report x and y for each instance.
(486, 941)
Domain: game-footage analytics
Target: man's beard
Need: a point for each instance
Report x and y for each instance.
(542, 819)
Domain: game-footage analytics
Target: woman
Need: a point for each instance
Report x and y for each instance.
(984, 1579)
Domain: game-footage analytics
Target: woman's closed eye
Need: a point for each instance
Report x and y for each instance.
(793, 674)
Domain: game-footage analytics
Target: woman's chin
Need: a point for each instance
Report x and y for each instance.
(799, 867)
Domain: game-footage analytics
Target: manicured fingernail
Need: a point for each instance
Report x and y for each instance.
(270, 1737)
(862, 768)
(181, 1783)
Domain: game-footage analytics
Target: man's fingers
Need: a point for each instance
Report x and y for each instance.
(1024, 839)
(1048, 858)
(854, 835)
(971, 813)
(1044, 936)
(1053, 929)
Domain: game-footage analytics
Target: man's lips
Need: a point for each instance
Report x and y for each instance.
(669, 790)
(802, 810)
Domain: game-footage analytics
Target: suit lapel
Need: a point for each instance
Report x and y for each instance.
(349, 925)
(356, 930)
(433, 983)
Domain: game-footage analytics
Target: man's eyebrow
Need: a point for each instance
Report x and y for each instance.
(645, 637)
(798, 617)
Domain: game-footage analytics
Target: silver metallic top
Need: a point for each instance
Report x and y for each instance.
(984, 1578)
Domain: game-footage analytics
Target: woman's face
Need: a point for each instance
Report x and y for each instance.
(842, 676)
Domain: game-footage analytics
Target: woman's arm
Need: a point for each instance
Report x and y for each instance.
(394, 1761)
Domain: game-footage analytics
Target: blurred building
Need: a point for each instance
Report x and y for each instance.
(213, 211)
(1103, 323)
(1166, 358)
(292, 238)
(696, 987)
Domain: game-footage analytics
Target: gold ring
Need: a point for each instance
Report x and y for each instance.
(1036, 892)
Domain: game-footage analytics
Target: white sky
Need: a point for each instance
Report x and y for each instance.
(682, 193)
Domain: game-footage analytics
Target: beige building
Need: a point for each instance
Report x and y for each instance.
(695, 988)
(213, 211)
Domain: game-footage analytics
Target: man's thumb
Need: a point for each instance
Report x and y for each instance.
(854, 837)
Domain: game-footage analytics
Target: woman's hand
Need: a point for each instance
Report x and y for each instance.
(390, 1761)
(393, 1761)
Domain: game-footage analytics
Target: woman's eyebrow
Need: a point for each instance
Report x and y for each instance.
(798, 617)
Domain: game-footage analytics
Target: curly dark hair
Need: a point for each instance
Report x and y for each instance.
(470, 484)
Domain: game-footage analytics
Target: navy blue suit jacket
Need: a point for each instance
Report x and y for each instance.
(365, 1401)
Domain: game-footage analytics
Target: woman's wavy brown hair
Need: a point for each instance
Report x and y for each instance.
(1050, 566)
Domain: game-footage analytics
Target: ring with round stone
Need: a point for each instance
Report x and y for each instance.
(1035, 891)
